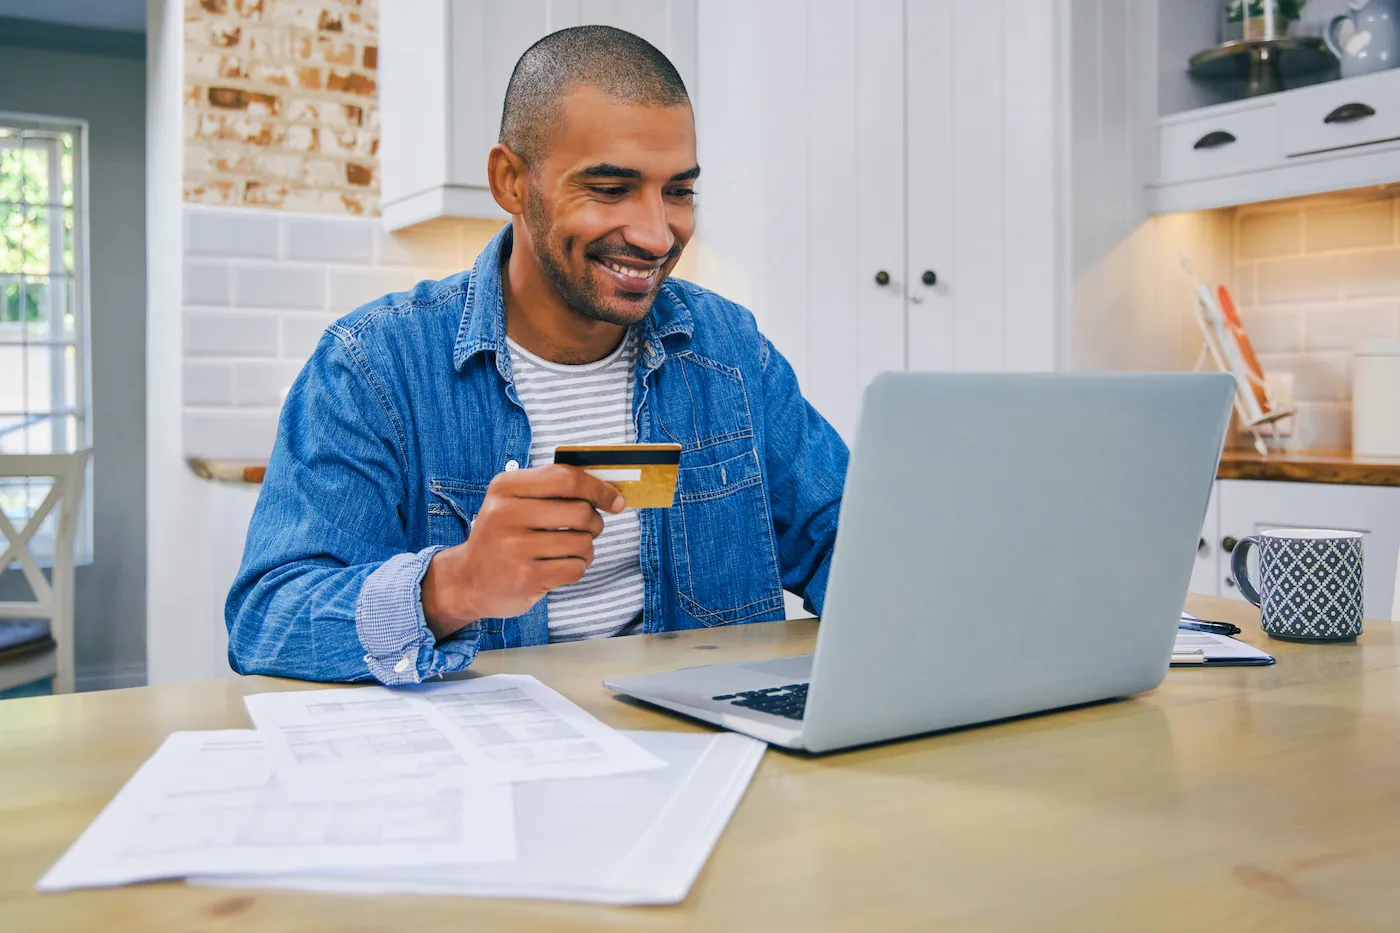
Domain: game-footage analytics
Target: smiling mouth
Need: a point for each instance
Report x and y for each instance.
(643, 275)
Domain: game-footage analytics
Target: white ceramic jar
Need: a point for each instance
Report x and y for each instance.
(1375, 400)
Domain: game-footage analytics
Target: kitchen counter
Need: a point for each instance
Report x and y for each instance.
(1310, 466)
(1299, 466)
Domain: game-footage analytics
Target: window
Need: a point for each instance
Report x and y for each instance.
(43, 307)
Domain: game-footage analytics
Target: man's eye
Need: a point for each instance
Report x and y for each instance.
(681, 193)
(610, 191)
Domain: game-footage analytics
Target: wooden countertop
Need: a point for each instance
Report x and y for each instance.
(1310, 466)
(1227, 799)
(1320, 466)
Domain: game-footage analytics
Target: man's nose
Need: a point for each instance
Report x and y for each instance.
(649, 229)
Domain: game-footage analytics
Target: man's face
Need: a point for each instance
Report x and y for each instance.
(611, 204)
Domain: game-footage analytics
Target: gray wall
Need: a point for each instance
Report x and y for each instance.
(110, 94)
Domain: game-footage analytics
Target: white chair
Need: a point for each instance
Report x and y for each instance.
(53, 600)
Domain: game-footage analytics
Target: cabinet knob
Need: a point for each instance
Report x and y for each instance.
(1228, 543)
(882, 277)
(1202, 548)
(1350, 113)
(1214, 140)
(929, 277)
(1230, 582)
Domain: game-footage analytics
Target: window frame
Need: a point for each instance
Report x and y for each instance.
(81, 403)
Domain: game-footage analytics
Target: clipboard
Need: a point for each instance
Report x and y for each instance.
(1208, 649)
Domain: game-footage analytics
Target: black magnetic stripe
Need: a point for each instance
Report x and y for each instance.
(599, 458)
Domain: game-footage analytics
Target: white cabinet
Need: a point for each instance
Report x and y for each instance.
(443, 69)
(1248, 507)
(849, 148)
(1328, 137)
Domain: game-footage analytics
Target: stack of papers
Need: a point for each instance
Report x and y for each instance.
(496, 786)
(1211, 649)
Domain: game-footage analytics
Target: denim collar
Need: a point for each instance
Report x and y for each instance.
(483, 324)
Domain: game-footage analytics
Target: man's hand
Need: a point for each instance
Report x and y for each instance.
(534, 533)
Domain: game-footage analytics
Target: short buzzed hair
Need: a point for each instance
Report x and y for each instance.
(623, 66)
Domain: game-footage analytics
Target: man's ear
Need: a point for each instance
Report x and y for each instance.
(506, 173)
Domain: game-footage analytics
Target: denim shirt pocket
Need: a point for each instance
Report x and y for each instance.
(452, 507)
(722, 540)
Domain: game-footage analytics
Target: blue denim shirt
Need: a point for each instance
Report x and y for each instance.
(406, 410)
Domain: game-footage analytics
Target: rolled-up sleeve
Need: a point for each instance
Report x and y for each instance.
(329, 585)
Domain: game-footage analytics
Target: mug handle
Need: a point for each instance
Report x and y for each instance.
(1239, 568)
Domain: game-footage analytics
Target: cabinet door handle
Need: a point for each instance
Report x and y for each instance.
(1202, 548)
(882, 277)
(1228, 543)
(929, 278)
(1214, 140)
(1350, 113)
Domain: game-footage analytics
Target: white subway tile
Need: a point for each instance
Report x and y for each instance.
(207, 383)
(1316, 377)
(330, 239)
(1346, 327)
(261, 384)
(230, 333)
(1322, 426)
(229, 434)
(301, 333)
(207, 283)
(350, 289)
(1372, 274)
(438, 245)
(1242, 288)
(1355, 225)
(1261, 236)
(269, 285)
(237, 233)
(1300, 279)
(1274, 331)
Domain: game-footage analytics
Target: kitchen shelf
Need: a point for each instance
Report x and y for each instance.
(1326, 137)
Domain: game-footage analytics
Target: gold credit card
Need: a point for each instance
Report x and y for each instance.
(645, 474)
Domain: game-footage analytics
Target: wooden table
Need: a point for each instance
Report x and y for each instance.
(1228, 799)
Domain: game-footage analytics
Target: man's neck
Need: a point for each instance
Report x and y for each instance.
(543, 323)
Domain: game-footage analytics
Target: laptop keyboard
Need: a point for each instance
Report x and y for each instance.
(787, 702)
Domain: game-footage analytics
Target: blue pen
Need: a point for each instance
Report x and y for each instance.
(1215, 628)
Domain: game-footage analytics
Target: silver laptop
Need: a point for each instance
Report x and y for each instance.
(1008, 544)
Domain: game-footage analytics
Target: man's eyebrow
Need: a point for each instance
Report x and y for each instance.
(608, 170)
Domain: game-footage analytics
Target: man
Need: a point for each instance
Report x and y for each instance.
(411, 515)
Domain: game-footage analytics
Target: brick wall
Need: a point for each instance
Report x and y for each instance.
(280, 107)
(281, 130)
(1315, 277)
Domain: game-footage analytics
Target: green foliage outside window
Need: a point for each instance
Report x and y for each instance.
(25, 224)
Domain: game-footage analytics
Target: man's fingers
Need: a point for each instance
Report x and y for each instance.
(558, 514)
(551, 545)
(557, 481)
(552, 574)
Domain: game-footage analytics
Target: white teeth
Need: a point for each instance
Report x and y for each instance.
(630, 273)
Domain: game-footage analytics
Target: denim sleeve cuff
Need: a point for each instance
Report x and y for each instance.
(399, 647)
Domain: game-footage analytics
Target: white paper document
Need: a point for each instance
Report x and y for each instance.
(504, 727)
(1204, 647)
(531, 733)
(639, 838)
(208, 802)
(333, 741)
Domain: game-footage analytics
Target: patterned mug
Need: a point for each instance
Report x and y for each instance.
(1310, 580)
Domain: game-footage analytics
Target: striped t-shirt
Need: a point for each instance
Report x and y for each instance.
(588, 404)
